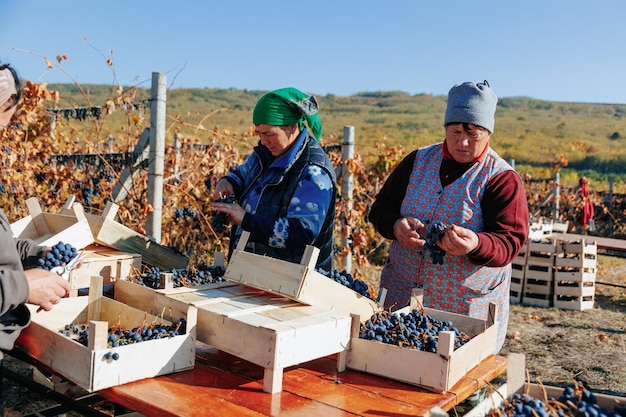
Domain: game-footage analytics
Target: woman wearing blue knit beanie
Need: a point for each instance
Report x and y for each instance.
(457, 215)
(285, 190)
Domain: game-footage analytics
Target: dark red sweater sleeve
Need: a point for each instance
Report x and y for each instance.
(505, 217)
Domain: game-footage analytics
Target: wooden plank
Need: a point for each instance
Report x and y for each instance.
(265, 273)
(221, 383)
(602, 242)
(318, 289)
(210, 390)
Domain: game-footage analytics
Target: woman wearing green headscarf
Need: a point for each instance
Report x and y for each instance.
(285, 190)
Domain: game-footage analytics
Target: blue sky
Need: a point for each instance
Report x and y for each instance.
(557, 50)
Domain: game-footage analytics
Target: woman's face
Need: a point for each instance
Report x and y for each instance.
(465, 145)
(277, 138)
(6, 112)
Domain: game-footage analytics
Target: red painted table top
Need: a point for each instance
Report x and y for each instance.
(225, 386)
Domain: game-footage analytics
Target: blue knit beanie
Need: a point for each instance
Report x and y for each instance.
(472, 103)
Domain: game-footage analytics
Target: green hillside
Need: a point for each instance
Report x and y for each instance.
(540, 136)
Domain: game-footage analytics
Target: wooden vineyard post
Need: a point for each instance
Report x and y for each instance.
(347, 192)
(156, 165)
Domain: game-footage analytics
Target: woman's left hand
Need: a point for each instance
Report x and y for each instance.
(235, 211)
(458, 240)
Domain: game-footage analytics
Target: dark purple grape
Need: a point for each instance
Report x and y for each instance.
(433, 235)
(219, 222)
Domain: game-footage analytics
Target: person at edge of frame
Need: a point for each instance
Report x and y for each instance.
(20, 281)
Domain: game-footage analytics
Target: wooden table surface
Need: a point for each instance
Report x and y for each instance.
(226, 386)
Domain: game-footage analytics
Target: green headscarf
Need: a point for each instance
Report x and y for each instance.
(288, 106)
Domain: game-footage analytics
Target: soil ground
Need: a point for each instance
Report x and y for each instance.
(561, 346)
(588, 346)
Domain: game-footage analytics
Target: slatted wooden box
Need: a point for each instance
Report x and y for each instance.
(110, 264)
(541, 252)
(576, 254)
(299, 282)
(89, 366)
(518, 269)
(439, 371)
(48, 229)
(108, 232)
(517, 286)
(266, 329)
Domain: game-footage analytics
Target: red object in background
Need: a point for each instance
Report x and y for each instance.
(588, 211)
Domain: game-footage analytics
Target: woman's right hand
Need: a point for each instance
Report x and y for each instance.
(405, 230)
(45, 288)
(223, 188)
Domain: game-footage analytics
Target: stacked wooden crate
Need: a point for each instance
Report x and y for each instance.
(518, 270)
(557, 272)
(575, 274)
(539, 273)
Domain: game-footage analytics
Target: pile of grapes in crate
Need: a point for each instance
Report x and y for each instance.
(347, 280)
(120, 336)
(190, 277)
(413, 330)
(574, 401)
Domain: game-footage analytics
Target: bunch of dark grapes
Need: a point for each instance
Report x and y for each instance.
(434, 234)
(59, 255)
(219, 222)
(346, 279)
(88, 193)
(573, 402)
(186, 213)
(413, 330)
(150, 278)
(40, 177)
(201, 274)
(121, 337)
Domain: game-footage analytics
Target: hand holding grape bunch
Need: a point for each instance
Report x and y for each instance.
(219, 223)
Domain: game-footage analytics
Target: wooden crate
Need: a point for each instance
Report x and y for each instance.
(110, 264)
(539, 229)
(434, 371)
(108, 232)
(577, 293)
(539, 272)
(271, 331)
(48, 229)
(518, 270)
(534, 299)
(299, 282)
(575, 274)
(517, 287)
(576, 254)
(89, 366)
(538, 285)
(541, 253)
(496, 398)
